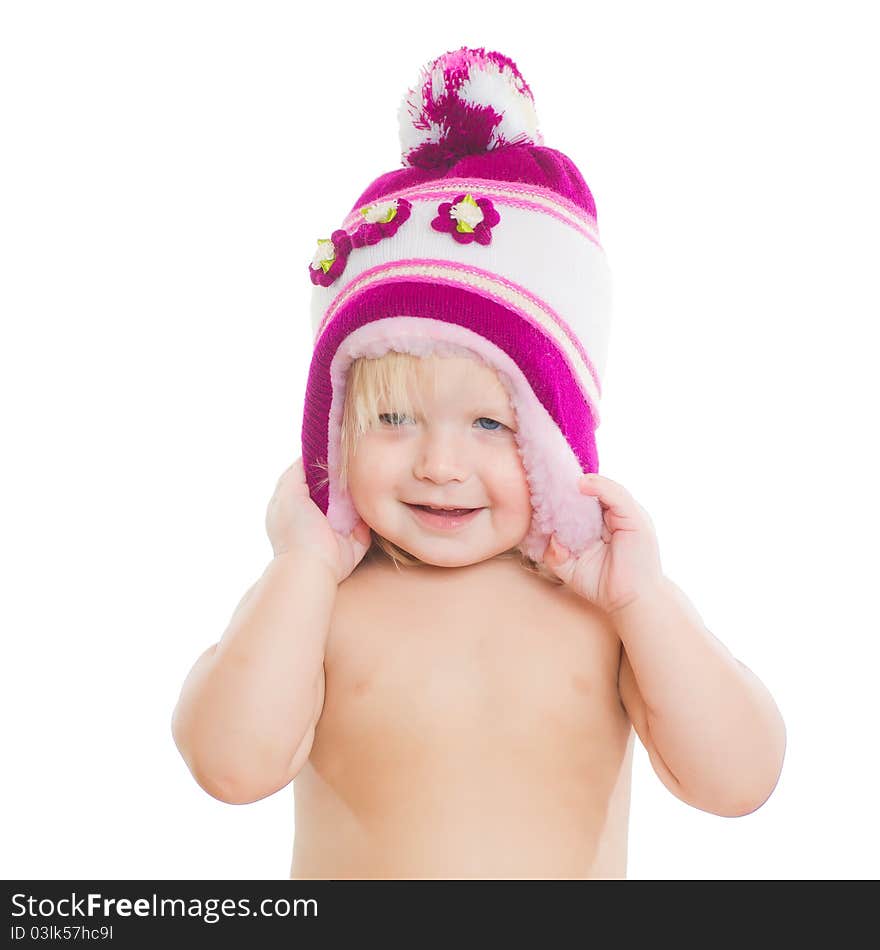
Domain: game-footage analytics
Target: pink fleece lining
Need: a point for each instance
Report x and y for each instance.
(551, 467)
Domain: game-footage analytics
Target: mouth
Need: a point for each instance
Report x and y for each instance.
(444, 518)
(444, 510)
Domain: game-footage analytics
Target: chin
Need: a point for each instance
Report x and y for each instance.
(439, 558)
(451, 558)
(462, 561)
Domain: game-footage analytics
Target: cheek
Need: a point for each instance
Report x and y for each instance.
(372, 475)
(361, 476)
(510, 489)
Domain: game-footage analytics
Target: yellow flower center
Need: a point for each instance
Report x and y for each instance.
(467, 213)
(324, 256)
(382, 212)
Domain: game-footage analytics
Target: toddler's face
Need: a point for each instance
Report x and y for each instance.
(459, 451)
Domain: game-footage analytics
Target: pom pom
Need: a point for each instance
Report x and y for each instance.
(466, 102)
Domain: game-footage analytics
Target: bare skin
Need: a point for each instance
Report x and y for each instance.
(470, 727)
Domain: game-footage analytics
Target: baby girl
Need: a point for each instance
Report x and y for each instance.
(460, 631)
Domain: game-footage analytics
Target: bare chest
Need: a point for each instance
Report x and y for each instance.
(462, 662)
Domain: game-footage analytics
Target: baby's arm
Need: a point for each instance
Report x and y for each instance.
(712, 730)
(245, 719)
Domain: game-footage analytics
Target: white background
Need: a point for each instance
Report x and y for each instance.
(166, 170)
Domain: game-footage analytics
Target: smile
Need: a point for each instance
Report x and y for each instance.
(444, 520)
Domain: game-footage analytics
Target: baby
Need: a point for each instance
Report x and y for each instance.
(460, 632)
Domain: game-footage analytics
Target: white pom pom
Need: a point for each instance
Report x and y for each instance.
(466, 102)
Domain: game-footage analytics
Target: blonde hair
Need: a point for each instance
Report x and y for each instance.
(388, 377)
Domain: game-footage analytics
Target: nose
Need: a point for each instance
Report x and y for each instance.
(441, 456)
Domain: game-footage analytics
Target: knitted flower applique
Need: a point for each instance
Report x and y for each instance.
(330, 258)
(382, 220)
(467, 220)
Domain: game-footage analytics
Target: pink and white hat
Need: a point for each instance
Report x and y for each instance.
(485, 243)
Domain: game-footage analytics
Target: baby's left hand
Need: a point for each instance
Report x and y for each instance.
(621, 565)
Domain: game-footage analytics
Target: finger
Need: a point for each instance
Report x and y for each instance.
(288, 472)
(361, 535)
(611, 495)
(556, 553)
(296, 474)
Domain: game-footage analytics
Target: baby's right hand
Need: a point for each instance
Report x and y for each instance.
(295, 523)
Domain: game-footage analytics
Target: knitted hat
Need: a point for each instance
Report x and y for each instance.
(484, 243)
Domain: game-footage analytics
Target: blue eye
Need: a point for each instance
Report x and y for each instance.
(487, 419)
